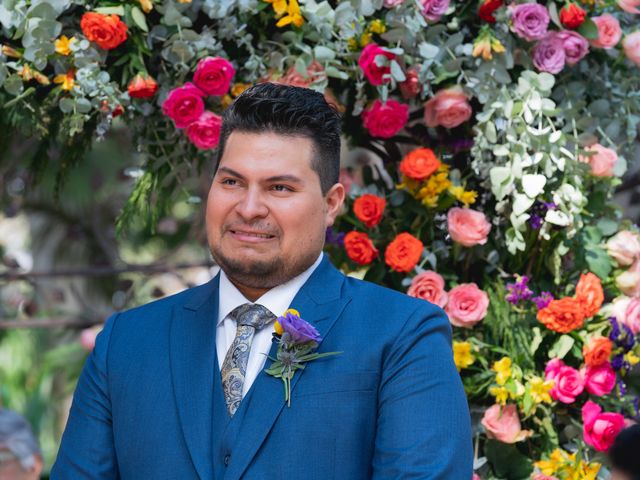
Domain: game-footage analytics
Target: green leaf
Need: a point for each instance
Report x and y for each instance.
(119, 10)
(140, 19)
(553, 13)
(588, 29)
(507, 461)
(323, 54)
(598, 260)
(335, 73)
(561, 347)
(396, 72)
(607, 226)
(428, 50)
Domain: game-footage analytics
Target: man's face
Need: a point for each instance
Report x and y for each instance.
(266, 214)
(10, 468)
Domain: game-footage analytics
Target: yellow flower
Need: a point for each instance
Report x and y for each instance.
(238, 88)
(632, 358)
(497, 46)
(503, 370)
(184, 1)
(25, 73)
(539, 389)
(293, 15)
(557, 461)
(352, 43)
(482, 47)
(278, 328)
(292, 311)
(40, 78)
(462, 355)
(63, 44)
(66, 79)
(377, 26)
(10, 52)
(587, 471)
(226, 100)
(365, 39)
(279, 6)
(466, 197)
(501, 394)
(147, 5)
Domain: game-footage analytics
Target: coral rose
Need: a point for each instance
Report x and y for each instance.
(503, 424)
(599, 380)
(563, 315)
(403, 253)
(213, 75)
(449, 108)
(367, 62)
(600, 429)
(142, 86)
(602, 160)
(429, 286)
(631, 46)
(369, 208)
(360, 248)
(624, 247)
(597, 351)
(468, 227)
(419, 164)
(384, 120)
(184, 105)
(204, 133)
(589, 292)
(568, 382)
(609, 31)
(467, 305)
(107, 31)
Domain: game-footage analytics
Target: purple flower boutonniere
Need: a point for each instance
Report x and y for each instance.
(297, 341)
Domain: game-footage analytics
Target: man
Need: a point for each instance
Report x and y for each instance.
(177, 389)
(20, 457)
(623, 454)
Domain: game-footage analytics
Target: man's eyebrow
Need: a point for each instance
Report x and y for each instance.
(285, 178)
(231, 172)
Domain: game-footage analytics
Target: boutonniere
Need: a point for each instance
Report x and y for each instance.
(297, 340)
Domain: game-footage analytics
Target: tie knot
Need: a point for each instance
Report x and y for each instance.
(253, 315)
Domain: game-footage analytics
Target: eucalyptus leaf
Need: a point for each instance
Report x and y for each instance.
(139, 18)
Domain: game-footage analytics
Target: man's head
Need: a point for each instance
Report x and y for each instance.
(624, 454)
(276, 187)
(20, 457)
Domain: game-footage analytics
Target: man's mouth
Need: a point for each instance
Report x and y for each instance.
(247, 235)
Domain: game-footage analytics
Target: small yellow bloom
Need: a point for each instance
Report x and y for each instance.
(65, 79)
(503, 370)
(278, 328)
(293, 15)
(293, 311)
(26, 73)
(279, 6)
(365, 39)
(63, 45)
(556, 462)
(352, 43)
(632, 358)
(497, 46)
(226, 100)
(10, 52)
(501, 394)
(147, 5)
(462, 355)
(40, 78)
(184, 1)
(238, 88)
(377, 26)
(482, 47)
(539, 389)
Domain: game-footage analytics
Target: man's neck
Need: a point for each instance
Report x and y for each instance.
(251, 294)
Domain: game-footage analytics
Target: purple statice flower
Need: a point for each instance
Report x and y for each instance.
(575, 46)
(542, 300)
(548, 54)
(622, 387)
(618, 363)
(530, 21)
(432, 10)
(621, 334)
(519, 291)
(333, 237)
(636, 406)
(538, 211)
(535, 221)
(460, 144)
(299, 330)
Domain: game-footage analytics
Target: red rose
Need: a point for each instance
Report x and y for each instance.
(360, 248)
(142, 86)
(384, 120)
(487, 8)
(184, 105)
(369, 208)
(367, 63)
(204, 133)
(108, 31)
(403, 253)
(572, 16)
(213, 75)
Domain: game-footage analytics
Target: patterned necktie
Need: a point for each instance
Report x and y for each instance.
(249, 318)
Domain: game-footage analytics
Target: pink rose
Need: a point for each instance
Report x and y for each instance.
(449, 107)
(411, 87)
(629, 282)
(468, 227)
(293, 77)
(503, 424)
(629, 6)
(627, 311)
(575, 46)
(392, 3)
(631, 46)
(184, 105)
(568, 382)
(429, 286)
(609, 31)
(602, 160)
(599, 380)
(624, 247)
(432, 10)
(204, 133)
(467, 305)
(213, 75)
(600, 429)
(346, 179)
(88, 337)
(475, 477)
(367, 62)
(384, 120)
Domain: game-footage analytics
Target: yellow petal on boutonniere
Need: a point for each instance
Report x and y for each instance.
(278, 328)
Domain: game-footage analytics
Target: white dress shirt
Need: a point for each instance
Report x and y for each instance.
(277, 300)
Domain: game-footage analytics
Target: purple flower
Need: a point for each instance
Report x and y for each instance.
(333, 237)
(618, 362)
(530, 21)
(542, 300)
(299, 330)
(519, 291)
(575, 46)
(548, 54)
(535, 221)
(538, 211)
(432, 10)
(621, 335)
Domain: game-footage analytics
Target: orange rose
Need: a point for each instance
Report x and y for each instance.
(419, 163)
(597, 351)
(589, 293)
(403, 253)
(360, 248)
(562, 315)
(369, 208)
(108, 31)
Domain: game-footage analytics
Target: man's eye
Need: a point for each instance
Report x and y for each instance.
(282, 188)
(228, 181)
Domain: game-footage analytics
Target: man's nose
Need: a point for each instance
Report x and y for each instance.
(252, 205)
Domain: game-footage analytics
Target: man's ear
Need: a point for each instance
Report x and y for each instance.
(334, 200)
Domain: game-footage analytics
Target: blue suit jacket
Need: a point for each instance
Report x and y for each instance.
(391, 406)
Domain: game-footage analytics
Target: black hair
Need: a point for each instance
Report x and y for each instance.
(625, 452)
(288, 110)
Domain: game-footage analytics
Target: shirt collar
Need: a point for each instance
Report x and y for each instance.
(277, 300)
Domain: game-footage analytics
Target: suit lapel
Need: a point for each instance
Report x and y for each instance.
(320, 303)
(192, 357)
